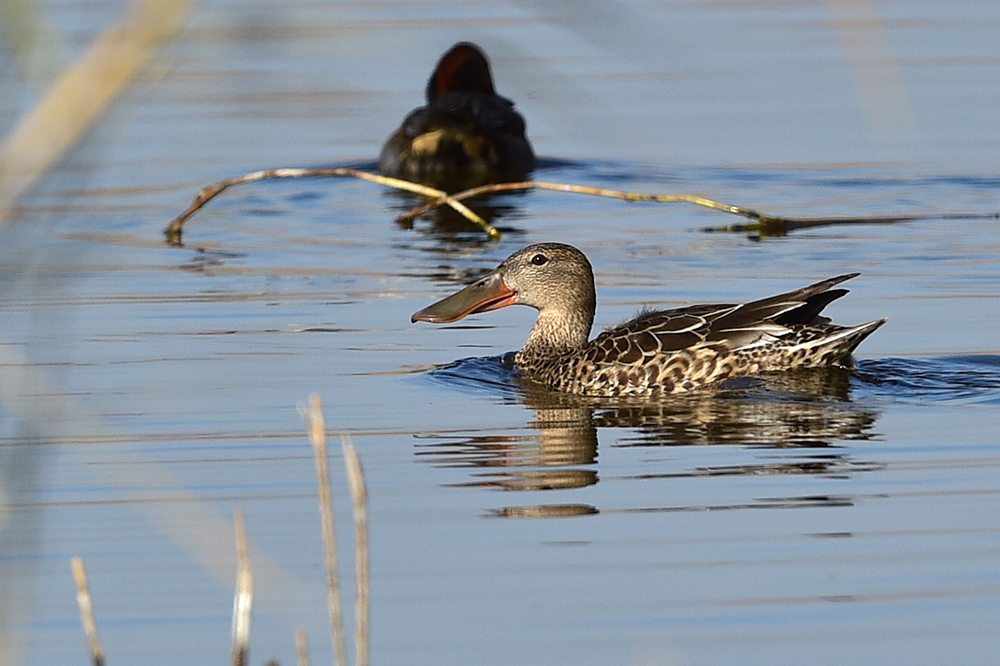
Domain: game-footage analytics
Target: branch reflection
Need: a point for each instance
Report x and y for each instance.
(449, 226)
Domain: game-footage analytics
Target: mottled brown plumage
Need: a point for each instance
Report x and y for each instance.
(658, 352)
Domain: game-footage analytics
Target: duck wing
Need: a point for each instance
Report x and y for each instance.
(732, 325)
(749, 322)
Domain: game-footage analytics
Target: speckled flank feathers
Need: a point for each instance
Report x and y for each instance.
(658, 352)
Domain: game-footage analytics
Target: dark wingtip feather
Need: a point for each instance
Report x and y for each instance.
(810, 309)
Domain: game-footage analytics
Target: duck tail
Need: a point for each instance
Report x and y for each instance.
(834, 347)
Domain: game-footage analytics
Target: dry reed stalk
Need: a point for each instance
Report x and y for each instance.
(243, 599)
(86, 605)
(80, 95)
(301, 648)
(359, 500)
(206, 194)
(313, 415)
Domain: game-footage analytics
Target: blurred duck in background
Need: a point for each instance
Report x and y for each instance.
(465, 136)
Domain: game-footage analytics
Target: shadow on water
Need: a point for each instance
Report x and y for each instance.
(806, 417)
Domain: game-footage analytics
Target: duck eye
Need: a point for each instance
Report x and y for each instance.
(539, 260)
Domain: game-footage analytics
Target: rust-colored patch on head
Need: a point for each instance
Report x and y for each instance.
(463, 68)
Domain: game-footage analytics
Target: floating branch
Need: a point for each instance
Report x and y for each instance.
(766, 225)
(243, 599)
(86, 605)
(761, 223)
(174, 229)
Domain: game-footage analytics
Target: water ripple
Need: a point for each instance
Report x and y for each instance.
(961, 379)
(970, 379)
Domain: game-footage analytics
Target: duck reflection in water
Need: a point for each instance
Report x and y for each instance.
(804, 412)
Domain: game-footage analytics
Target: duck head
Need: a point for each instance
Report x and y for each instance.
(555, 279)
(464, 68)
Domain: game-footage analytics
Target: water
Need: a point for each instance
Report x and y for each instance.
(828, 517)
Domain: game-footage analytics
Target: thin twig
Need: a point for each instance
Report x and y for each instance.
(359, 499)
(301, 648)
(174, 229)
(762, 223)
(86, 605)
(313, 415)
(578, 189)
(243, 599)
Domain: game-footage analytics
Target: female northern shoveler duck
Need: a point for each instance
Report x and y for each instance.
(466, 136)
(658, 352)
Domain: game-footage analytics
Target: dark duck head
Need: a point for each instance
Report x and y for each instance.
(465, 136)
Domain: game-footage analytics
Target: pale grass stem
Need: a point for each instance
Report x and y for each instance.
(243, 599)
(86, 605)
(301, 648)
(79, 96)
(313, 415)
(359, 500)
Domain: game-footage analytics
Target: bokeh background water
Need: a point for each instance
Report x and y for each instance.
(149, 390)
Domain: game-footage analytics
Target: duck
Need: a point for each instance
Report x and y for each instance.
(659, 352)
(465, 136)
